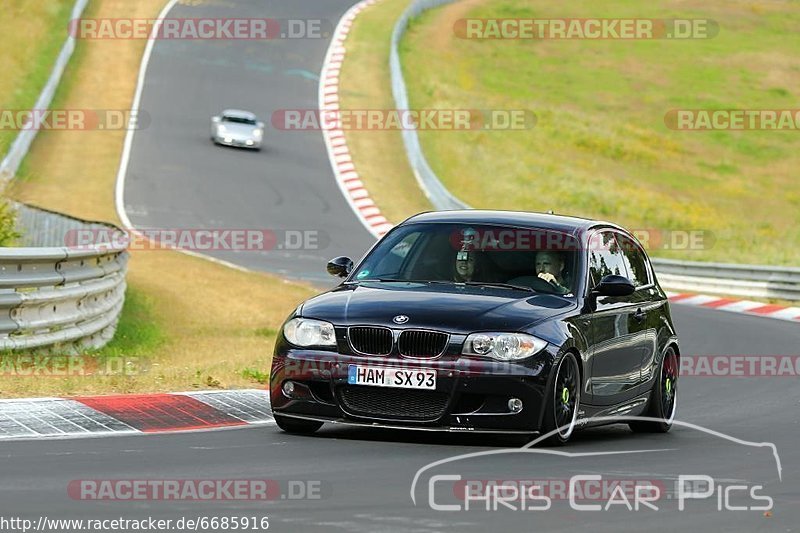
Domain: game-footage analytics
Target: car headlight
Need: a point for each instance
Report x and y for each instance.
(257, 134)
(307, 332)
(221, 129)
(503, 346)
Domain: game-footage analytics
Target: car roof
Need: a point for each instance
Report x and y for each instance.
(238, 113)
(561, 223)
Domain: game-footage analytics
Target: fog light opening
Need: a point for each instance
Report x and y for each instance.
(515, 405)
(288, 389)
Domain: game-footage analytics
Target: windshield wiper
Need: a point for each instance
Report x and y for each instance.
(498, 285)
(389, 280)
(386, 280)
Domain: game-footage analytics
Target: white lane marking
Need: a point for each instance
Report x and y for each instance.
(119, 190)
(119, 194)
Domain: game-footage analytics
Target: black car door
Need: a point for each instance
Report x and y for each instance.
(650, 304)
(617, 329)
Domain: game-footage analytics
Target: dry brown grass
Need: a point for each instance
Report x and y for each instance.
(215, 321)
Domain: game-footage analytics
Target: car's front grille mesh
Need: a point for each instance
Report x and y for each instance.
(370, 340)
(419, 343)
(392, 403)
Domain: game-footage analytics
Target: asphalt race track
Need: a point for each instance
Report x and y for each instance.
(178, 179)
(365, 476)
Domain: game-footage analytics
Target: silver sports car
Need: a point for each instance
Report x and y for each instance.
(237, 128)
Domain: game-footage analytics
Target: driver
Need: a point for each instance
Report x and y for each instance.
(550, 267)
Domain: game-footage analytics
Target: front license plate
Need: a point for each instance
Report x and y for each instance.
(381, 376)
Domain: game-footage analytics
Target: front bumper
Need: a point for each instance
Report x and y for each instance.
(471, 394)
(238, 142)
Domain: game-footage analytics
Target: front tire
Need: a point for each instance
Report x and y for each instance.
(561, 412)
(296, 425)
(662, 398)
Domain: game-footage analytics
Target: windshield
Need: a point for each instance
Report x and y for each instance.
(239, 120)
(528, 258)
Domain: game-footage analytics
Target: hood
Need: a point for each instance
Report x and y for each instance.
(456, 309)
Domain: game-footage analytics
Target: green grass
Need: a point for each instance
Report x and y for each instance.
(600, 147)
(33, 34)
(138, 331)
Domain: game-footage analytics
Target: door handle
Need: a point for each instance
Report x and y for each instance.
(639, 315)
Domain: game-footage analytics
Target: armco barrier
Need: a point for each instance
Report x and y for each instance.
(716, 278)
(53, 296)
(19, 148)
(433, 188)
(754, 281)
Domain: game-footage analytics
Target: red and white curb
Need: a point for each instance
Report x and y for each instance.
(35, 418)
(338, 152)
(736, 306)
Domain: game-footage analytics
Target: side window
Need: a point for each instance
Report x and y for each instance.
(392, 263)
(635, 261)
(605, 257)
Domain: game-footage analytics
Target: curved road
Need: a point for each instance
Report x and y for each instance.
(177, 179)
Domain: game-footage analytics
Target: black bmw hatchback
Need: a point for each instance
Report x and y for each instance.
(484, 321)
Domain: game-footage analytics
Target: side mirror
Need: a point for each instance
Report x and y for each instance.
(614, 286)
(216, 120)
(260, 125)
(340, 266)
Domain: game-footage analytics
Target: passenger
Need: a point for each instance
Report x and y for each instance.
(472, 266)
(465, 266)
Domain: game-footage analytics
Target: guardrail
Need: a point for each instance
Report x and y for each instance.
(22, 143)
(754, 281)
(717, 278)
(59, 297)
(433, 188)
